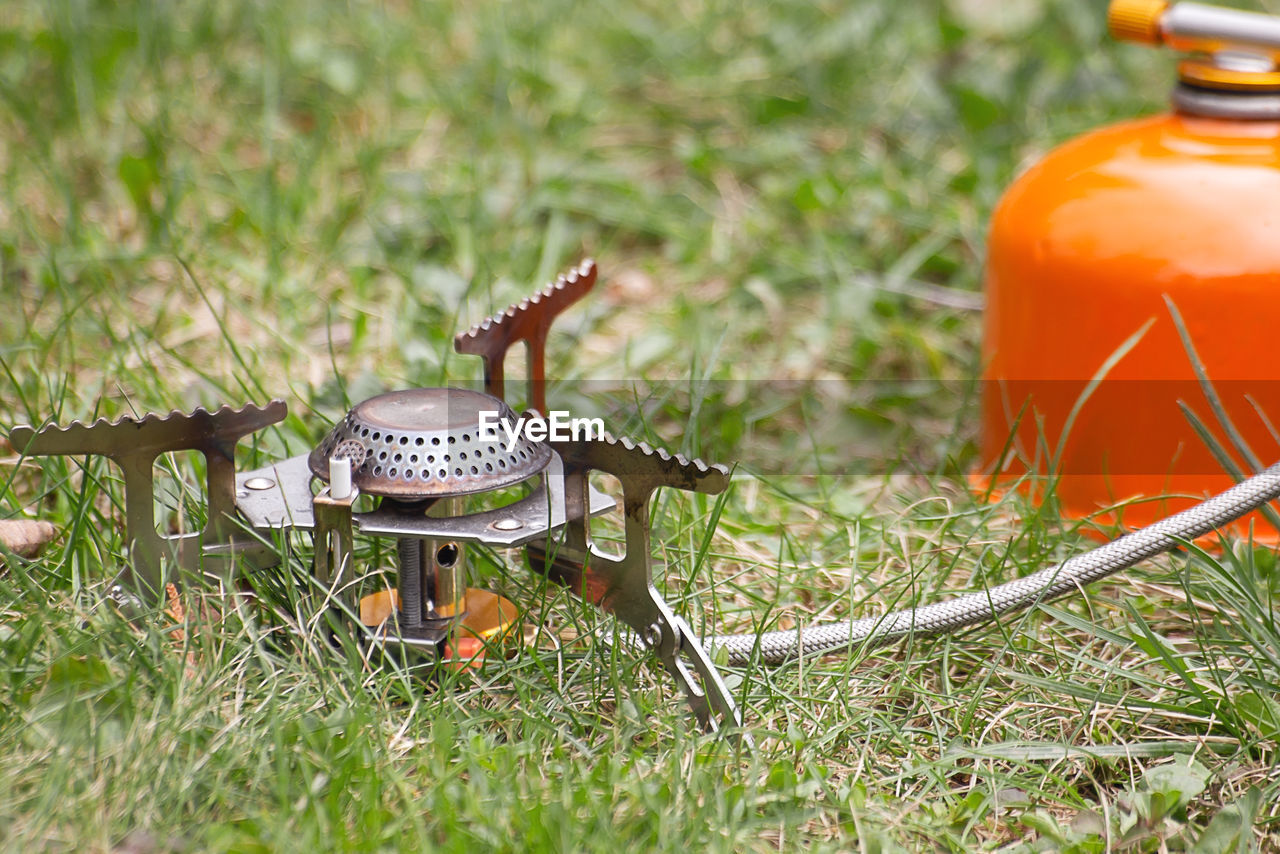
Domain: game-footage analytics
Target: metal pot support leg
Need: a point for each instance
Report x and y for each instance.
(624, 586)
(133, 444)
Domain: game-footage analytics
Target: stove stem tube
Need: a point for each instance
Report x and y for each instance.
(409, 556)
(447, 567)
(450, 586)
(427, 567)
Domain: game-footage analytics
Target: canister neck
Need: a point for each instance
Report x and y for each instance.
(1226, 104)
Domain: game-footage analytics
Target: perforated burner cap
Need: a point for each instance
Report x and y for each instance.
(428, 443)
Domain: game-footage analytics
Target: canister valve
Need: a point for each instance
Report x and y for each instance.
(1194, 27)
(1232, 50)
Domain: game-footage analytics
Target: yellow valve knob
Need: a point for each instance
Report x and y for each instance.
(1136, 20)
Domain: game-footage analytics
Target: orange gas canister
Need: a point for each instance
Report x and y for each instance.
(1123, 252)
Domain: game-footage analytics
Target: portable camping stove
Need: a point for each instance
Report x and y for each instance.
(418, 452)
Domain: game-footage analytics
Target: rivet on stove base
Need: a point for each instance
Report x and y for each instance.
(259, 483)
(507, 524)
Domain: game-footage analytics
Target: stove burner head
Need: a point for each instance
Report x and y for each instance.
(427, 443)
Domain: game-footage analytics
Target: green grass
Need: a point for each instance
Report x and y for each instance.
(223, 202)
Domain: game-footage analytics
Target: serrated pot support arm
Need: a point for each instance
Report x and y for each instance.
(623, 585)
(134, 444)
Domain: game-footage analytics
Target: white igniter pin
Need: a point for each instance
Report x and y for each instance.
(339, 478)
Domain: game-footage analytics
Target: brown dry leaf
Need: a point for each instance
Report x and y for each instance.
(177, 611)
(630, 287)
(26, 537)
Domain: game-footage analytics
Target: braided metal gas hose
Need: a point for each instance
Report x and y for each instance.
(973, 608)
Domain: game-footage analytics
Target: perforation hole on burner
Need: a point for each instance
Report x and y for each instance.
(350, 449)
